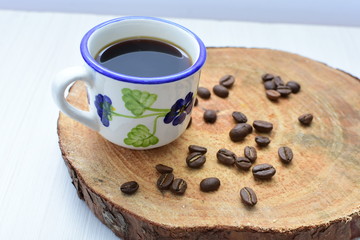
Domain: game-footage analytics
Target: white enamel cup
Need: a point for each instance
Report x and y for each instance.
(134, 112)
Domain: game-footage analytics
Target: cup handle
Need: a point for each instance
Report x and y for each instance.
(62, 80)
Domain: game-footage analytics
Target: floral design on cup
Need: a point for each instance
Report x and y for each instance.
(179, 110)
(138, 102)
(104, 108)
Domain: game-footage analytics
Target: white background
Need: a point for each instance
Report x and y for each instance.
(330, 12)
(37, 199)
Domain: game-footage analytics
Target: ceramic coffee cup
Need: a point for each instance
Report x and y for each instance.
(134, 112)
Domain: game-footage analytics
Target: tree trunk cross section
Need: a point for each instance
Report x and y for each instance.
(317, 196)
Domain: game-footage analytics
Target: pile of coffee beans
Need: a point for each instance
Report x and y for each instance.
(275, 87)
(221, 90)
(196, 157)
(229, 158)
(167, 180)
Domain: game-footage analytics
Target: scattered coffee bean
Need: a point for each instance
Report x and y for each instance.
(210, 116)
(165, 181)
(306, 119)
(221, 91)
(243, 163)
(273, 95)
(209, 184)
(225, 156)
(161, 168)
(295, 87)
(284, 90)
(203, 93)
(196, 148)
(262, 126)
(249, 127)
(250, 153)
(262, 141)
(178, 186)
(189, 124)
(240, 131)
(227, 81)
(248, 196)
(196, 102)
(263, 171)
(285, 154)
(195, 160)
(270, 85)
(129, 187)
(267, 77)
(278, 81)
(239, 117)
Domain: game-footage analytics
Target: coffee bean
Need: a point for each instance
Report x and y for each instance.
(263, 171)
(221, 91)
(250, 153)
(225, 156)
(227, 81)
(196, 148)
(209, 184)
(239, 117)
(203, 93)
(285, 154)
(283, 90)
(129, 187)
(178, 186)
(161, 168)
(189, 124)
(278, 81)
(210, 116)
(267, 77)
(306, 119)
(270, 85)
(165, 181)
(262, 141)
(196, 102)
(195, 160)
(262, 126)
(248, 196)
(243, 163)
(295, 87)
(249, 127)
(273, 95)
(240, 131)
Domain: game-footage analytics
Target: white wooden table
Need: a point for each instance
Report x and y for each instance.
(37, 200)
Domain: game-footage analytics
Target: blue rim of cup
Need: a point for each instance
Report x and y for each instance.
(141, 80)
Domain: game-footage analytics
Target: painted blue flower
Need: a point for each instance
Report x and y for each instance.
(179, 110)
(104, 108)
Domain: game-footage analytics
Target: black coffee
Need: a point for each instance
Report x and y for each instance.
(143, 57)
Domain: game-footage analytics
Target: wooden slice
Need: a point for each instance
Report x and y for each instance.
(316, 196)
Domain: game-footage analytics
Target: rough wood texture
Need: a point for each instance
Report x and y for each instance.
(314, 197)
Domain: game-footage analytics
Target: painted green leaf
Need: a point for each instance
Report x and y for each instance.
(137, 101)
(140, 136)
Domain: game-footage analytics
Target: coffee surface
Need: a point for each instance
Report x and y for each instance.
(143, 57)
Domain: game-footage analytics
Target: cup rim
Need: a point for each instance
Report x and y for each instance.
(142, 80)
